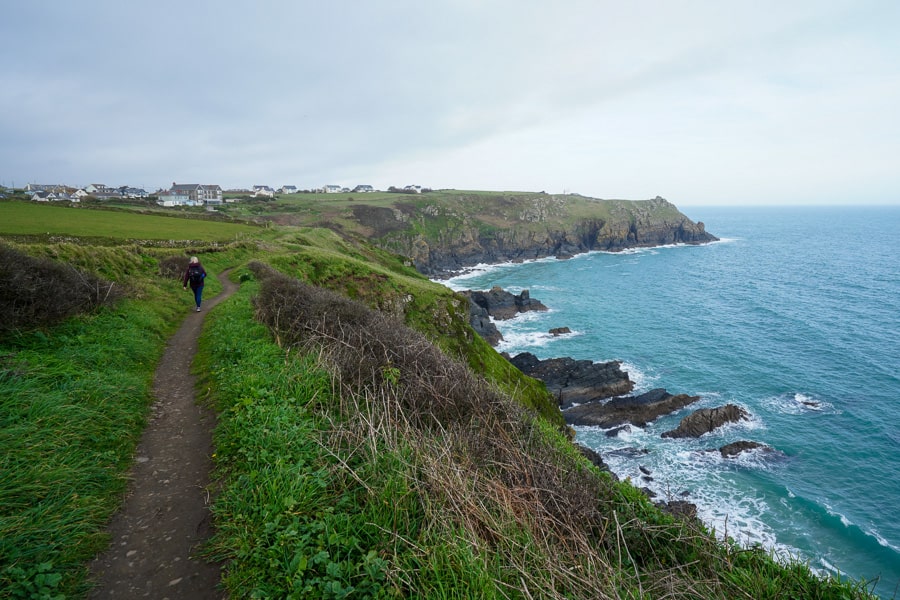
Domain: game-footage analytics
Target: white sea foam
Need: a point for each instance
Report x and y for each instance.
(461, 281)
(880, 539)
(726, 240)
(516, 342)
(684, 470)
(797, 403)
(642, 380)
(844, 520)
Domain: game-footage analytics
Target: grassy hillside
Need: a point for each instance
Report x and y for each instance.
(445, 230)
(369, 443)
(380, 213)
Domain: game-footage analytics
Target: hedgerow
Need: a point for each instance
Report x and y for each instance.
(38, 292)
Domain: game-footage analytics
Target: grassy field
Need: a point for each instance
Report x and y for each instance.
(31, 218)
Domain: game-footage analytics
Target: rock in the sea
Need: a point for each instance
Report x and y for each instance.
(503, 305)
(575, 381)
(706, 420)
(636, 410)
(735, 448)
(481, 322)
(630, 452)
(497, 304)
(615, 431)
(559, 331)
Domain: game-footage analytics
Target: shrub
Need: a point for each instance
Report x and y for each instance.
(173, 267)
(38, 292)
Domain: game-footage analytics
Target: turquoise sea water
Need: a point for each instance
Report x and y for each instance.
(795, 316)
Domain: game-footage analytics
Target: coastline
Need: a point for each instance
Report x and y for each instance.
(448, 276)
(758, 321)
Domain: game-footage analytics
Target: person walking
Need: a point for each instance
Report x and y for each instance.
(194, 275)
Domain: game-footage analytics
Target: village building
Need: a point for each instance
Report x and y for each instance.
(200, 194)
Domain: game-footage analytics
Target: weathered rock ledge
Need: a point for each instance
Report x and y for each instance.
(498, 304)
(736, 448)
(636, 410)
(706, 420)
(576, 381)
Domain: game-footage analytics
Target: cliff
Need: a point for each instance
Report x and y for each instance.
(443, 232)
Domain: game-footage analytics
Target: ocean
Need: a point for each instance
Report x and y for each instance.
(795, 316)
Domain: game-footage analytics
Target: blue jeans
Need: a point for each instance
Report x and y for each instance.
(198, 295)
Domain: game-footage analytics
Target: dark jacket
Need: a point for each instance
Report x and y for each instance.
(186, 279)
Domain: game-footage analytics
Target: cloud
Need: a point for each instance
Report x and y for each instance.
(697, 101)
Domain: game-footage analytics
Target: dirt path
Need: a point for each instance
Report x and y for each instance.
(166, 512)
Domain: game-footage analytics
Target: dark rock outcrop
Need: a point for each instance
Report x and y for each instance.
(480, 320)
(706, 420)
(636, 410)
(503, 305)
(557, 331)
(735, 448)
(499, 304)
(575, 381)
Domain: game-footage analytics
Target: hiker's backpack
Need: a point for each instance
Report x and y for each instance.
(195, 275)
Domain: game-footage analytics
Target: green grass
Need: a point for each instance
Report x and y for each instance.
(69, 423)
(31, 218)
(68, 426)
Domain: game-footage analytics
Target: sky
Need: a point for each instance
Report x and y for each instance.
(702, 102)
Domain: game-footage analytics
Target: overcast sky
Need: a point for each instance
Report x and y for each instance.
(701, 102)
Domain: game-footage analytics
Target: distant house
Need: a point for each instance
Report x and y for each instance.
(44, 187)
(132, 192)
(414, 189)
(263, 191)
(198, 193)
(97, 188)
(362, 189)
(288, 189)
(332, 189)
(170, 199)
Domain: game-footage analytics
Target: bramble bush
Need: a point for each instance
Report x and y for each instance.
(38, 292)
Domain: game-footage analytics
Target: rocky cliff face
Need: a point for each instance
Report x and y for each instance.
(452, 233)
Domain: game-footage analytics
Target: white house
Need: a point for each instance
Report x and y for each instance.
(170, 199)
(288, 189)
(97, 188)
(362, 189)
(332, 189)
(201, 194)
